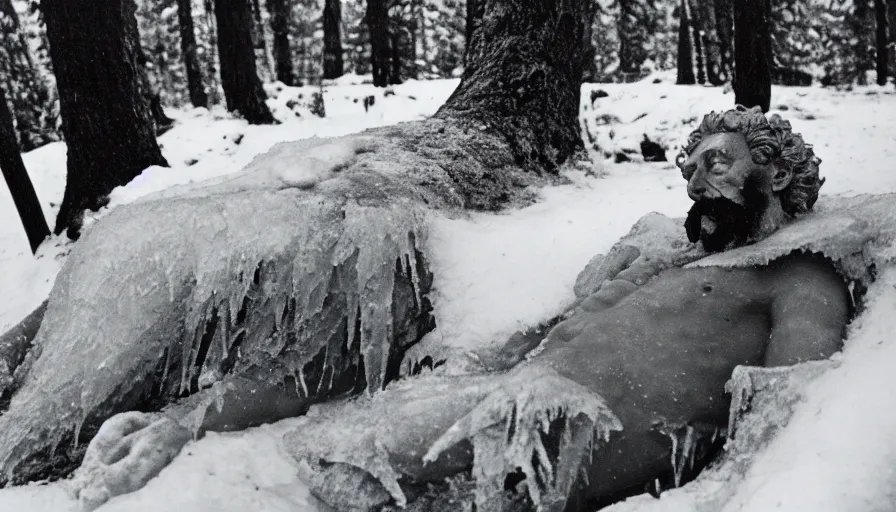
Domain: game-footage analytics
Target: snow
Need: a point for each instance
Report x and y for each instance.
(498, 273)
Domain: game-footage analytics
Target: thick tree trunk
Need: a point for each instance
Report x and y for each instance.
(685, 49)
(188, 48)
(378, 27)
(105, 121)
(239, 77)
(891, 11)
(27, 92)
(318, 278)
(283, 65)
(17, 180)
(333, 66)
(882, 40)
(752, 53)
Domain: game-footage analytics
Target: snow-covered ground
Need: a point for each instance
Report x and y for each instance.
(495, 273)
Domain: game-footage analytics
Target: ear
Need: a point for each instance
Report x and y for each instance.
(781, 178)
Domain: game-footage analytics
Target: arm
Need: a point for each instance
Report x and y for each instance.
(809, 313)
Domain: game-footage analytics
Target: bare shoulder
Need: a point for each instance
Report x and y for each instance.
(806, 272)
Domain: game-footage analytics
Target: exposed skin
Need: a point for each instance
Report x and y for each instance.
(657, 344)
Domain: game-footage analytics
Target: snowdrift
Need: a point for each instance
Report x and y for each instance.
(857, 234)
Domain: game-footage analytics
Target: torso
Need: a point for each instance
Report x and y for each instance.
(663, 355)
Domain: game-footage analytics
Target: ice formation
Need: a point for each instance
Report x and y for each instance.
(249, 276)
(503, 417)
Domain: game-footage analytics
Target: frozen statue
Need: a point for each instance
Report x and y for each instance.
(626, 390)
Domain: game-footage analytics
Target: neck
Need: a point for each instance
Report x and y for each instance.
(770, 220)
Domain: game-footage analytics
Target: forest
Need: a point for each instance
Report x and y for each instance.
(267, 254)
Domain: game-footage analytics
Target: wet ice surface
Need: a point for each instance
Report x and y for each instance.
(497, 273)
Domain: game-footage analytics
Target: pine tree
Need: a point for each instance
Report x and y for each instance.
(283, 66)
(17, 180)
(752, 53)
(29, 94)
(190, 58)
(242, 87)
(685, 49)
(332, 19)
(882, 39)
(378, 28)
(106, 123)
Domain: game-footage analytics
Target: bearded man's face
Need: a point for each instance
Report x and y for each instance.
(729, 190)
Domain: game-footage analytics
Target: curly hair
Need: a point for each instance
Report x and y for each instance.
(771, 140)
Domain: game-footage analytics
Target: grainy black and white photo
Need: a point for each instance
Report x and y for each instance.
(448, 255)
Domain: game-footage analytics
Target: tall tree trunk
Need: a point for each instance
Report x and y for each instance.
(860, 23)
(333, 66)
(685, 50)
(752, 53)
(28, 92)
(589, 72)
(882, 40)
(631, 54)
(704, 13)
(17, 180)
(239, 77)
(354, 253)
(105, 120)
(699, 47)
(891, 11)
(188, 48)
(725, 33)
(395, 53)
(283, 65)
(378, 27)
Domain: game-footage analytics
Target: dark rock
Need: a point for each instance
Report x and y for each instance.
(652, 151)
(620, 157)
(369, 101)
(599, 93)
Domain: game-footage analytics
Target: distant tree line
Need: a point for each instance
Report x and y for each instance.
(156, 53)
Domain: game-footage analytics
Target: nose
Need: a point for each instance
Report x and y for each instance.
(696, 187)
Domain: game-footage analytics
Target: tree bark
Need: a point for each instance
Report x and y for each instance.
(685, 49)
(882, 40)
(473, 15)
(631, 51)
(17, 180)
(377, 18)
(699, 47)
(333, 66)
(589, 72)
(283, 65)
(239, 76)
(860, 23)
(752, 53)
(705, 23)
(725, 33)
(395, 54)
(323, 281)
(191, 59)
(105, 119)
(27, 92)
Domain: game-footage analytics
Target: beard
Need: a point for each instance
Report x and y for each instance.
(720, 224)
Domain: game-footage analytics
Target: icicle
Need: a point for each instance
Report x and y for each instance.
(302, 382)
(79, 423)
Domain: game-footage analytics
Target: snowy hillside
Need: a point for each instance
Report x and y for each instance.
(498, 273)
